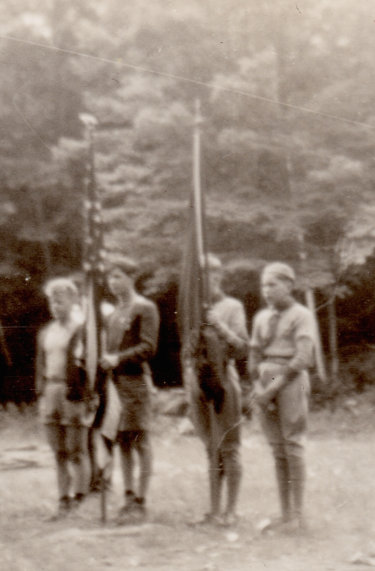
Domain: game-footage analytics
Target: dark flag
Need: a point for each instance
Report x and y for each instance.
(193, 290)
(200, 343)
(191, 298)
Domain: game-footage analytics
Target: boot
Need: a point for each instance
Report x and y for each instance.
(232, 472)
(284, 486)
(297, 473)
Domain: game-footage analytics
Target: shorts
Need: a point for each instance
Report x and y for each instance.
(135, 398)
(54, 407)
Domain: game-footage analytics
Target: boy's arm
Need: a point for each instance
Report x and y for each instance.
(256, 353)
(146, 346)
(234, 333)
(148, 338)
(302, 359)
(255, 357)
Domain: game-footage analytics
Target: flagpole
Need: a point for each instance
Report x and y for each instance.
(202, 254)
(199, 210)
(93, 270)
(197, 188)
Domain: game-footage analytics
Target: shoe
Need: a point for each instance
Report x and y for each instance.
(129, 503)
(295, 526)
(229, 519)
(209, 519)
(134, 510)
(77, 501)
(138, 513)
(276, 524)
(288, 526)
(133, 516)
(64, 507)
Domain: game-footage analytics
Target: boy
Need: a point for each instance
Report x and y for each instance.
(64, 403)
(282, 346)
(218, 424)
(131, 341)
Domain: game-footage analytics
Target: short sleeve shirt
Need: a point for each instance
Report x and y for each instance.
(231, 312)
(275, 333)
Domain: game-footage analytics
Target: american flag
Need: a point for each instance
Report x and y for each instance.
(93, 257)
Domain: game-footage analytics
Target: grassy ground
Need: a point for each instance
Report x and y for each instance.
(340, 504)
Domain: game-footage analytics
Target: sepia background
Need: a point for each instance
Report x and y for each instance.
(286, 91)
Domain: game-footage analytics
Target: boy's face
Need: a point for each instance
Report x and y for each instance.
(119, 282)
(276, 291)
(214, 280)
(60, 304)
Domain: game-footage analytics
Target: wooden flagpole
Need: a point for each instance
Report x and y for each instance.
(200, 229)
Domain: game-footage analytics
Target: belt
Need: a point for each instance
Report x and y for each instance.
(55, 380)
(277, 358)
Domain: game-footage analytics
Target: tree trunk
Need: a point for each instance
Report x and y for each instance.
(332, 324)
(319, 357)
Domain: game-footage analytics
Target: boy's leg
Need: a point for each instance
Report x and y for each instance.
(56, 436)
(283, 484)
(105, 447)
(294, 410)
(298, 479)
(127, 460)
(270, 421)
(77, 438)
(230, 441)
(125, 440)
(204, 419)
(202, 414)
(216, 475)
(143, 446)
(135, 508)
(94, 468)
(215, 461)
(233, 472)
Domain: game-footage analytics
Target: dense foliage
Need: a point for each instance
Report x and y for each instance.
(286, 93)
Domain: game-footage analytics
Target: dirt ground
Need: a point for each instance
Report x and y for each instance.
(340, 504)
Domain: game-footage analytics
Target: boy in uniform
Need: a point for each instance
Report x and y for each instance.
(131, 341)
(282, 345)
(219, 426)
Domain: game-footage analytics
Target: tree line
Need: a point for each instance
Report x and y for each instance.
(287, 96)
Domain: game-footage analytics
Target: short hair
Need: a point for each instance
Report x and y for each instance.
(280, 270)
(124, 263)
(212, 262)
(60, 285)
